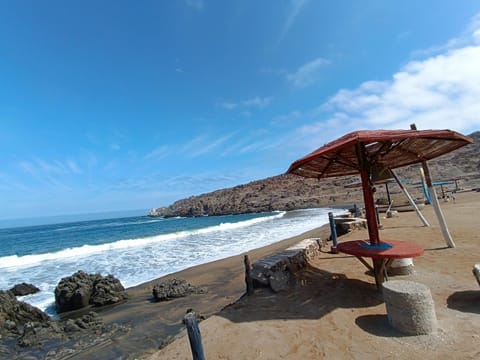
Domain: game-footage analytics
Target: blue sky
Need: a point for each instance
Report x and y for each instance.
(118, 105)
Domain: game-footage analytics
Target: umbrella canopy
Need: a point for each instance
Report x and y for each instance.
(388, 148)
(367, 151)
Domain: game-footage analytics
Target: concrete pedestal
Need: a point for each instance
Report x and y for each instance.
(410, 307)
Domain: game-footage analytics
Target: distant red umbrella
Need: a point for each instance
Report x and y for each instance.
(367, 151)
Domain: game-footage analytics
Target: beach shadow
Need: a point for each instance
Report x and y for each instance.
(438, 248)
(314, 294)
(377, 325)
(336, 257)
(403, 227)
(465, 301)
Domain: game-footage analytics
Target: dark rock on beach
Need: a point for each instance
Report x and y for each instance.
(107, 290)
(27, 332)
(24, 289)
(82, 289)
(90, 321)
(174, 288)
(24, 324)
(15, 314)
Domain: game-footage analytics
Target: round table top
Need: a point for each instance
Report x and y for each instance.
(398, 250)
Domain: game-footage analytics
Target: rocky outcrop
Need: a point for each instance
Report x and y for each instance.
(15, 314)
(175, 288)
(25, 331)
(90, 321)
(82, 289)
(283, 192)
(24, 289)
(289, 192)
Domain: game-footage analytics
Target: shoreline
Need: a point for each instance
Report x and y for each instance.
(153, 325)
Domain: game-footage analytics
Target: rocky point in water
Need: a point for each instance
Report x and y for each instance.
(24, 289)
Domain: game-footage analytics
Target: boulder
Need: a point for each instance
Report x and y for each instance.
(14, 314)
(90, 321)
(82, 289)
(73, 292)
(24, 289)
(174, 288)
(107, 290)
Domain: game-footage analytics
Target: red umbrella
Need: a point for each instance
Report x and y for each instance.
(368, 150)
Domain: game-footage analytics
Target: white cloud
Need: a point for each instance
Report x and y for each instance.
(229, 105)
(295, 8)
(307, 74)
(196, 4)
(287, 119)
(74, 168)
(438, 92)
(203, 144)
(255, 102)
(41, 167)
(158, 153)
(258, 102)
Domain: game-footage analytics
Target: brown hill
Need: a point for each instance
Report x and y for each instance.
(289, 192)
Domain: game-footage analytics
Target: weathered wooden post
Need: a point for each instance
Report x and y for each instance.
(194, 336)
(333, 233)
(356, 211)
(377, 214)
(436, 205)
(410, 200)
(248, 276)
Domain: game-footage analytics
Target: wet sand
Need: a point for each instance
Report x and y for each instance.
(333, 309)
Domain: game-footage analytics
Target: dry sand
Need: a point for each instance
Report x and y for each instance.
(333, 310)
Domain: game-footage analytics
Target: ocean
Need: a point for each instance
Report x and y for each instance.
(137, 249)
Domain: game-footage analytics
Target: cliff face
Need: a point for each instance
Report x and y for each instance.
(289, 192)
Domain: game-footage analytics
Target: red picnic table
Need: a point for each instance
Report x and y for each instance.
(382, 254)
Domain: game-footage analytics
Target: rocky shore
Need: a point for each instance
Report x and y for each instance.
(26, 331)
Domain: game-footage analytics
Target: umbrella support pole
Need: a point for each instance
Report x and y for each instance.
(410, 200)
(436, 207)
(370, 213)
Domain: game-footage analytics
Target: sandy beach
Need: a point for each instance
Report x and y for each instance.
(333, 309)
